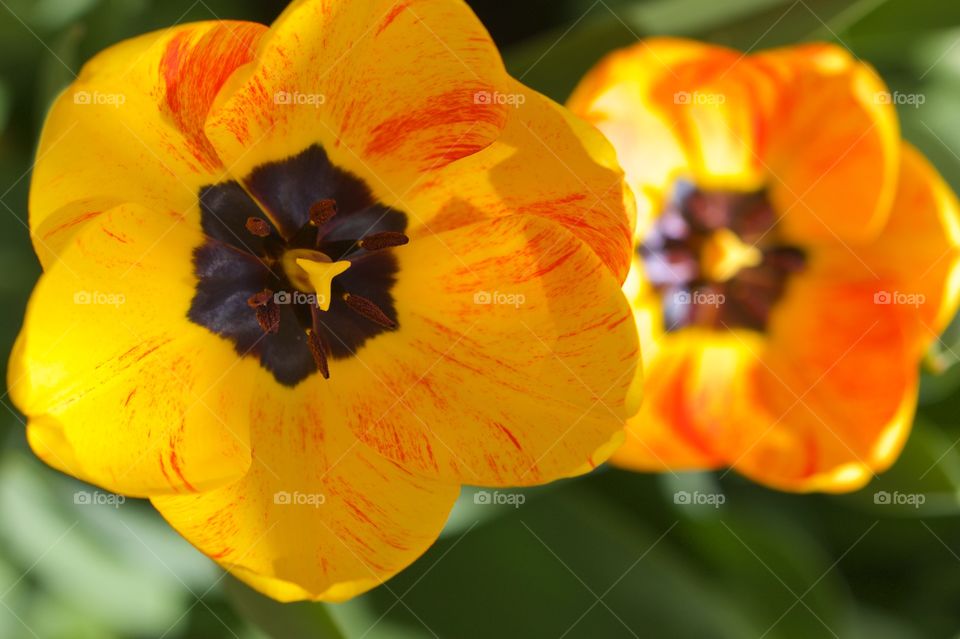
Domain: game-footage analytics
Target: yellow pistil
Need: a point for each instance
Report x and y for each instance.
(724, 255)
(313, 272)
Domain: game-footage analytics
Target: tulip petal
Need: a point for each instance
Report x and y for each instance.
(546, 164)
(678, 108)
(618, 97)
(853, 360)
(835, 151)
(318, 516)
(499, 373)
(840, 379)
(809, 123)
(697, 401)
(821, 402)
(915, 261)
(130, 129)
(106, 367)
(373, 83)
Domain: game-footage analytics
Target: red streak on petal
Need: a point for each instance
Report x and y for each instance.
(507, 432)
(430, 456)
(194, 70)
(399, 8)
(164, 471)
(132, 352)
(547, 268)
(810, 446)
(442, 116)
(175, 464)
(617, 322)
(220, 555)
(358, 512)
(677, 407)
(71, 222)
(550, 207)
(118, 238)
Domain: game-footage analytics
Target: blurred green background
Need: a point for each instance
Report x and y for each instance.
(610, 555)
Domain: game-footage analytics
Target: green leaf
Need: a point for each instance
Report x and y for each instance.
(682, 17)
(56, 14)
(6, 104)
(60, 65)
(279, 620)
(120, 565)
(924, 482)
(540, 570)
(941, 375)
(554, 62)
(477, 505)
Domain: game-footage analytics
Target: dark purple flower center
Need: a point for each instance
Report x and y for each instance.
(250, 289)
(717, 259)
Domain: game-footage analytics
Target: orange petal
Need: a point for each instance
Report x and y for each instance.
(840, 377)
(617, 96)
(810, 123)
(822, 403)
(835, 150)
(711, 105)
(914, 263)
(699, 401)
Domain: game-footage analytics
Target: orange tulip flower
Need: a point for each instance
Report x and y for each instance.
(794, 259)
